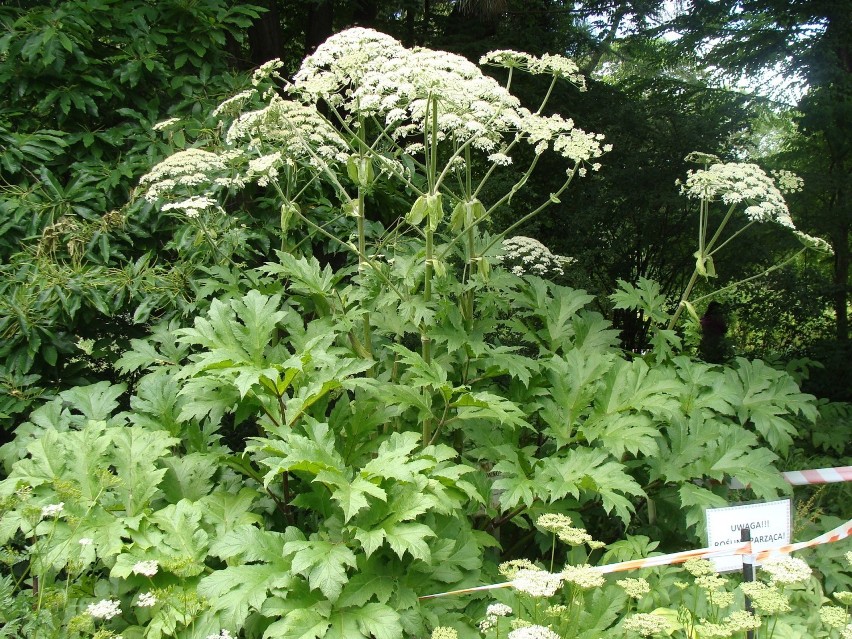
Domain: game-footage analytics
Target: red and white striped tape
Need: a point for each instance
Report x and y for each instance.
(818, 476)
(841, 532)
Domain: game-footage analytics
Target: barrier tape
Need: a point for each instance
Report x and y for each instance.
(818, 476)
(841, 532)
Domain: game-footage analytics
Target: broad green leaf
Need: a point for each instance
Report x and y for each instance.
(695, 500)
(352, 496)
(96, 401)
(411, 538)
(302, 623)
(322, 563)
(136, 453)
(372, 620)
(237, 590)
(185, 542)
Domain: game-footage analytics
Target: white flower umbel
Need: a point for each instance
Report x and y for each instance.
(537, 583)
(635, 588)
(366, 73)
(498, 610)
(646, 624)
(526, 255)
(294, 130)
(104, 609)
(547, 64)
(234, 104)
(735, 183)
(146, 600)
(787, 570)
(833, 616)
(583, 576)
(533, 632)
(192, 169)
(52, 510)
(191, 206)
(146, 568)
(443, 632)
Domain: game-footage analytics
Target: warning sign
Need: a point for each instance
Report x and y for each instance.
(769, 524)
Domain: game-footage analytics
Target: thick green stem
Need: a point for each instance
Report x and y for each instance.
(424, 335)
(683, 299)
(705, 249)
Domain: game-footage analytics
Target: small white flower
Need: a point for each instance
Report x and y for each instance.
(105, 609)
(52, 510)
(222, 635)
(147, 568)
(146, 600)
(85, 541)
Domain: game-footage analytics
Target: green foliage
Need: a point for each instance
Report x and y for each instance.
(333, 436)
(83, 81)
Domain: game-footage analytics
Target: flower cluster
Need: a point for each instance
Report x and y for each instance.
(635, 588)
(699, 567)
(537, 583)
(492, 613)
(234, 104)
(165, 124)
(104, 609)
(735, 183)
(533, 632)
(52, 510)
(646, 624)
(146, 600)
(146, 568)
(191, 206)
(739, 621)
(583, 576)
(511, 568)
(547, 64)
(365, 73)
(189, 170)
(294, 130)
(443, 632)
(787, 570)
(787, 181)
(526, 255)
(833, 616)
(765, 598)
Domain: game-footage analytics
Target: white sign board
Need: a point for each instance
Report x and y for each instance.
(769, 524)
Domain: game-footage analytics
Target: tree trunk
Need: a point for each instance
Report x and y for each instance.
(320, 25)
(266, 40)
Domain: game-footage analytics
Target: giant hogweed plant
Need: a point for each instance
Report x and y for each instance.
(366, 434)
